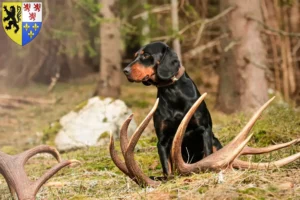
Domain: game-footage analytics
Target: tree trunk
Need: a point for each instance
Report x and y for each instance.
(295, 24)
(110, 50)
(146, 26)
(243, 85)
(175, 27)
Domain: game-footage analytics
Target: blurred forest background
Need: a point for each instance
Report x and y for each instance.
(239, 50)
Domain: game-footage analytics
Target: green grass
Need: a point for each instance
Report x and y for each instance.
(98, 178)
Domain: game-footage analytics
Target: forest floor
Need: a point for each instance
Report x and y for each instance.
(98, 178)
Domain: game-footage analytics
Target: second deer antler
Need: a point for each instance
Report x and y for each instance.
(219, 160)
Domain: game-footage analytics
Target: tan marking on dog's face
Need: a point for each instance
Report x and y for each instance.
(139, 72)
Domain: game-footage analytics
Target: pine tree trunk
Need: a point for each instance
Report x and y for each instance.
(110, 50)
(243, 85)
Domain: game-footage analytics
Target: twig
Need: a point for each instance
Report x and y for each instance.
(206, 21)
(26, 100)
(166, 37)
(95, 16)
(10, 105)
(280, 32)
(256, 64)
(159, 9)
(295, 59)
(211, 20)
(202, 48)
(199, 34)
(296, 48)
(231, 45)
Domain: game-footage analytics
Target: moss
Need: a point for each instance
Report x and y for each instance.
(148, 141)
(11, 150)
(104, 119)
(81, 197)
(50, 132)
(257, 192)
(203, 189)
(272, 188)
(102, 98)
(137, 103)
(105, 134)
(80, 106)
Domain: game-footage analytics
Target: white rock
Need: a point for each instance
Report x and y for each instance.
(85, 127)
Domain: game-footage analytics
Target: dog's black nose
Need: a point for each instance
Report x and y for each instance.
(126, 71)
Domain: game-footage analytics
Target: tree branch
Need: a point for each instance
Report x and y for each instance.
(279, 32)
(159, 9)
(211, 20)
(204, 22)
(193, 52)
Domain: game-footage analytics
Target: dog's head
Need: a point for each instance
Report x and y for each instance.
(153, 63)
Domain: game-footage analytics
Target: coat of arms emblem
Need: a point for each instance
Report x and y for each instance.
(22, 21)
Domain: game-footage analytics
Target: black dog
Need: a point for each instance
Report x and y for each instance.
(156, 64)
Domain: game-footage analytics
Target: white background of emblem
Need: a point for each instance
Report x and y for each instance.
(25, 14)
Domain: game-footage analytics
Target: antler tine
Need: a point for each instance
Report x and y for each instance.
(251, 150)
(43, 179)
(179, 163)
(244, 133)
(275, 164)
(25, 156)
(232, 150)
(123, 143)
(123, 134)
(131, 164)
(115, 158)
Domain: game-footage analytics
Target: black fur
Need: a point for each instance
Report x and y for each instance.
(168, 65)
(174, 102)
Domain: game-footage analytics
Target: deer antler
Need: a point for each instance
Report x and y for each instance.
(130, 166)
(226, 157)
(222, 159)
(12, 168)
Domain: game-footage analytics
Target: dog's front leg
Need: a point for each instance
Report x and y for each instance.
(207, 141)
(216, 143)
(165, 158)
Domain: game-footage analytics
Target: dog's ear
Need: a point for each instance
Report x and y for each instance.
(168, 65)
